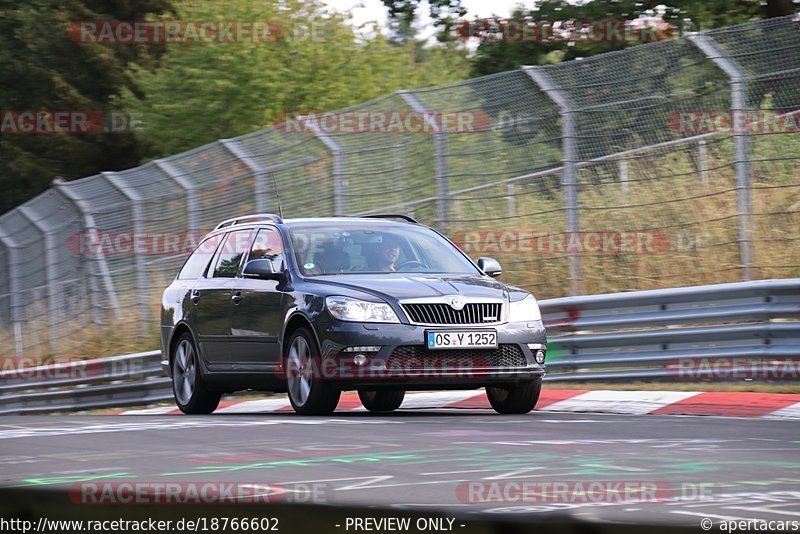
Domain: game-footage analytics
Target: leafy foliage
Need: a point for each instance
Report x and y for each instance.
(44, 70)
(319, 63)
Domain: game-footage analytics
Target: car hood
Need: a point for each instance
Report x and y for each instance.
(397, 286)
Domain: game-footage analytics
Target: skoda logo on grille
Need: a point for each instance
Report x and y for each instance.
(456, 302)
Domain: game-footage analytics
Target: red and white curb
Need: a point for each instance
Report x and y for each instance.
(732, 404)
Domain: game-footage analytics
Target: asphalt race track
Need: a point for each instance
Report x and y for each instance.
(703, 467)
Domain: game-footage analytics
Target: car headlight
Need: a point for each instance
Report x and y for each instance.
(348, 309)
(524, 310)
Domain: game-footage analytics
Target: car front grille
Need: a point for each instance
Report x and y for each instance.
(419, 357)
(440, 313)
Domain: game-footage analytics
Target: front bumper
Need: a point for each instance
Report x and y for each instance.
(403, 360)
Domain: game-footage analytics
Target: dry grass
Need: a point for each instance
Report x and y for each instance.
(694, 220)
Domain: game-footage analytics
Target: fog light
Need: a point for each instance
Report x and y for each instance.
(367, 348)
(360, 359)
(539, 356)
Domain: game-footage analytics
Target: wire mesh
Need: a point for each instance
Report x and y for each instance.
(659, 197)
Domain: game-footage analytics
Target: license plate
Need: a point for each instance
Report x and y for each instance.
(449, 339)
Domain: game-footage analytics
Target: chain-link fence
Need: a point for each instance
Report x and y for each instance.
(666, 164)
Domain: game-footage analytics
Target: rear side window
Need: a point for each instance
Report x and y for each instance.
(196, 265)
(230, 254)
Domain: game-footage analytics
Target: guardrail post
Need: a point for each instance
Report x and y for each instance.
(138, 230)
(261, 186)
(339, 175)
(569, 174)
(741, 142)
(51, 260)
(192, 207)
(439, 159)
(13, 289)
(103, 272)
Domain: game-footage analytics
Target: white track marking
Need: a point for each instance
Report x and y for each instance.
(455, 472)
(600, 402)
(629, 402)
(789, 412)
(256, 406)
(159, 410)
(436, 399)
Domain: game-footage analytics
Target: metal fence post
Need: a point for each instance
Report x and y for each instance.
(102, 270)
(623, 175)
(741, 141)
(439, 159)
(51, 261)
(511, 192)
(187, 185)
(260, 186)
(702, 156)
(138, 230)
(13, 289)
(339, 175)
(569, 174)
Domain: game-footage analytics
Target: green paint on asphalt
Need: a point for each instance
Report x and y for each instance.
(408, 457)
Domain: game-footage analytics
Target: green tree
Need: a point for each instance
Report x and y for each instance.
(444, 13)
(502, 55)
(44, 70)
(682, 15)
(318, 62)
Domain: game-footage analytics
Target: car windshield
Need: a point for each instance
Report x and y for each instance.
(352, 248)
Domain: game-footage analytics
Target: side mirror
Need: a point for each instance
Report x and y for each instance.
(261, 269)
(490, 266)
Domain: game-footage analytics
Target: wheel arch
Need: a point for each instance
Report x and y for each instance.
(297, 320)
(177, 332)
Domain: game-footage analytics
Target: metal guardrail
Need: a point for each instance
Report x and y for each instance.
(127, 380)
(690, 333)
(665, 334)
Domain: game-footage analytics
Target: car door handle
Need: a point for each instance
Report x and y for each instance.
(237, 297)
(195, 296)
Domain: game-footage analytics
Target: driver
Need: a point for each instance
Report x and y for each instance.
(387, 256)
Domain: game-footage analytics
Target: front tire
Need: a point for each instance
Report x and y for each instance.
(381, 401)
(516, 399)
(191, 394)
(308, 392)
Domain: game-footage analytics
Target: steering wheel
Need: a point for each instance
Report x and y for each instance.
(410, 262)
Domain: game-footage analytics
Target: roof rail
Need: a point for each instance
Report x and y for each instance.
(391, 216)
(244, 219)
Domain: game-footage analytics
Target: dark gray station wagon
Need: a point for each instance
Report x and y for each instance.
(314, 307)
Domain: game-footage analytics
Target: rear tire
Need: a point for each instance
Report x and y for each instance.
(516, 399)
(381, 401)
(191, 394)
(308, 392)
